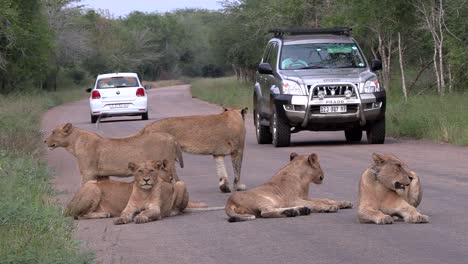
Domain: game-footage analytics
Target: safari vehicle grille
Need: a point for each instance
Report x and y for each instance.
(350, 109)
(332, 90)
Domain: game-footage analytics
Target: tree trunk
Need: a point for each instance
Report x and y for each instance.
(403, 82)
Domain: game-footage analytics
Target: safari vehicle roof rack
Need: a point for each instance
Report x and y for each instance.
(279, 33)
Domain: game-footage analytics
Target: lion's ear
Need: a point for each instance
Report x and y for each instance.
(379, 160)
(67, 128)
(292, 156)
(132, 166)
(164, 164)
(313, 159)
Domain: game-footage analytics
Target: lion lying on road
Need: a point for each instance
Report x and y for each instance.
(152, 198)
(101, 157)
(285, 195)
(218, 135)
(107, 198)
(389, 188)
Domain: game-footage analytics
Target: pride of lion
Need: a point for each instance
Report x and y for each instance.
(388, 189)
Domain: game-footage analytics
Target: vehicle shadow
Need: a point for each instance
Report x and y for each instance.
(324, 143)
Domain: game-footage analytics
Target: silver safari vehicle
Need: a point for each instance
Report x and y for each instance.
(317, 80)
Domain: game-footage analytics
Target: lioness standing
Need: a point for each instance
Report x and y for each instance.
(285, 195)
(218, 135)
(102, 157)
(389, 188)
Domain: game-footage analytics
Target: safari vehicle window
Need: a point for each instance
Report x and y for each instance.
(117, 82)
(321, 56)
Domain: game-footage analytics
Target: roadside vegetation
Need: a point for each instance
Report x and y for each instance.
(32, 228)
(226, 91)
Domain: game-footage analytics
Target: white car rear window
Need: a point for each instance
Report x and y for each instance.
(117, 82)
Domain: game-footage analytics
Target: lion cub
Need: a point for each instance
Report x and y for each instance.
(285, 195)
(388, 189)
(153, 198)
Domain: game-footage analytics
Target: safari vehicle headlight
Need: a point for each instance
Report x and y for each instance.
(291, 87)
(371, 86)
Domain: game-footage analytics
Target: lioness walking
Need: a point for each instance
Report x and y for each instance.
(285, 195)
(102, 157)
(388, 189)
(218, 135)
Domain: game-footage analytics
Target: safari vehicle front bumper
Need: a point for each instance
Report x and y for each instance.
(305, 111)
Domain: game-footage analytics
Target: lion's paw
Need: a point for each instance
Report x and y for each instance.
(329, 209)
(121, 221)
(224, 185)
(384, 220)
(418, 219)
(291, 213)
(141, 219)
(240, 187)
(305, 211)
(346, 204)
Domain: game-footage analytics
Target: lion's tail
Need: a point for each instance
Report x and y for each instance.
(200, 207)
(85, 200)
(235, 217)
(180, 158)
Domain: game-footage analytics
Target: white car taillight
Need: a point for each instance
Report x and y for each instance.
(95, 95)
(140, 92)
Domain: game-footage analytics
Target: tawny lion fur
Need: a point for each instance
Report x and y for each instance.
(218, 135)
(107, 198)
(102, 157)
(285, 195)
(389, 190)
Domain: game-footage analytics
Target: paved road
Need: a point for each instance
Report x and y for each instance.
(319, 238)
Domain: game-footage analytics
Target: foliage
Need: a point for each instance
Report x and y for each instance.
(32, 228)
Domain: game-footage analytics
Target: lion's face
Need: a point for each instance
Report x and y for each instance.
(311, 166)
(148, 173)
(392, 172)
(59, 136)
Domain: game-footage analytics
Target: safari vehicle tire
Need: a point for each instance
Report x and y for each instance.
(353, 134)
(281, 132)
(376, 132)
(263, 132)
(94, 119)
(144, 116)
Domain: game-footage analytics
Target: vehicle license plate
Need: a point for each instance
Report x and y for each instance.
(112, 106)
(332, 109)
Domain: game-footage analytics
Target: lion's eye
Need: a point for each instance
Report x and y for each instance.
(151, 171)
(140, 171)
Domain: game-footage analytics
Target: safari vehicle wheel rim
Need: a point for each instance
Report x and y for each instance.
(257, 123)
(274, 127)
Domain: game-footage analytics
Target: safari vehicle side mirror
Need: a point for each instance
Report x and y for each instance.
(147, 86)
(265, 68)
(89, 90)
(376, 65)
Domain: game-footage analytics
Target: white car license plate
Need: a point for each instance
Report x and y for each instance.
(112, 106)
(324, 109)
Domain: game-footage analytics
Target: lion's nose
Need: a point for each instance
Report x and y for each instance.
(146, 180)
(321, 177)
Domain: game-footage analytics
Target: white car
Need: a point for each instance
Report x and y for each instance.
(118, 94)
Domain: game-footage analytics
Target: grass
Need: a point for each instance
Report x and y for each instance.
(32, 228)
(423, 116)
(226, 91)
(440, 119)
(163, 83)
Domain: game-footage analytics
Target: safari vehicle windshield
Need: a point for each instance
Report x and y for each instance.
(117, 82)
(321, 56)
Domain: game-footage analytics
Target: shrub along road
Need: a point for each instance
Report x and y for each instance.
(207, 237)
